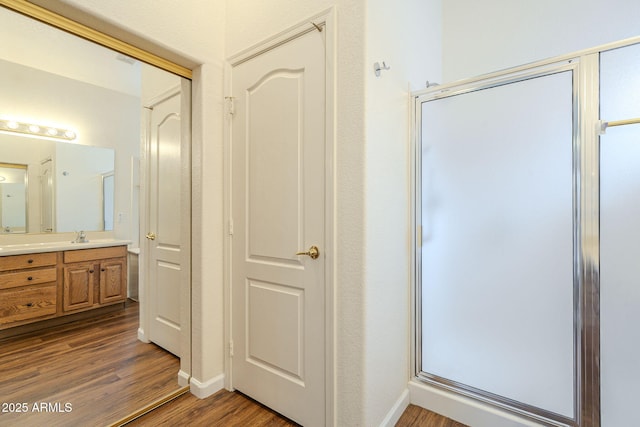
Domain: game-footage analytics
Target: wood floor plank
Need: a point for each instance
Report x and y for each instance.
(226, 409)
(415, 416)
(221, 409)
(97, 365)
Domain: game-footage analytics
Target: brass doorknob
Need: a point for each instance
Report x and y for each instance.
(313, 252)
(151, 236)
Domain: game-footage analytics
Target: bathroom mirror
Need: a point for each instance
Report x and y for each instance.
(55, 79)
(71, 193)
(13, 197)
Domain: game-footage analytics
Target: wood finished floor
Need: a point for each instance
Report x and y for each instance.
(226, 409)
(415, 416)
(105, 373)
(98, 366)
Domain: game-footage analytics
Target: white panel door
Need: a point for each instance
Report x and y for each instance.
(278, 174)
(164, 245)
(46, 196)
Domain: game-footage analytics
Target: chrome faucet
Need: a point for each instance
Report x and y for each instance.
(81, 237)
(7, 229)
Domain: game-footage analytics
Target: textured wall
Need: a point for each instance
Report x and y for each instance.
(407, 36)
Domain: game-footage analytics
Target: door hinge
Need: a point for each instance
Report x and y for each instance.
(230, 105)
(230, 227)
(230, 348)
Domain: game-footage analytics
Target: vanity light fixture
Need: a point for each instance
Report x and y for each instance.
(30, 129)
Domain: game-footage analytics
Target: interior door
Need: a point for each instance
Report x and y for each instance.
(164, 244)
(46, 196)
(278, 187)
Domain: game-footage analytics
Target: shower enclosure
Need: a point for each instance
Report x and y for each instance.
(527, 237)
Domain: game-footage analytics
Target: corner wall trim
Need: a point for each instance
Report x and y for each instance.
(394, 414)
(183, 378)
(142, 336)
(202, 390)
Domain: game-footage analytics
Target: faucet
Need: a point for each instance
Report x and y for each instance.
(7, 229)
(81, 237)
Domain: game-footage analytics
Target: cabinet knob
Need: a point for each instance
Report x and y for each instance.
(29, 278)
(29, 304)
(102, 269)
(30, 261)
(90, 271)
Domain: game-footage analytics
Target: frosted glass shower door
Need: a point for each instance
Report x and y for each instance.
(620, 238)
(496, 257)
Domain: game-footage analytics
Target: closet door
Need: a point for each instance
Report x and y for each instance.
(497, 255)
(620, 237)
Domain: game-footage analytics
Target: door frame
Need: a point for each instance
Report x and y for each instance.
(326, 21)
(184, 88)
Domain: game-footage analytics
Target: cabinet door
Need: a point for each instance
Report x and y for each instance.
(112, 281)
(78, 287)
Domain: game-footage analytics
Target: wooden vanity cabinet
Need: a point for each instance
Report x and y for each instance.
(94, 277)
(78, 289)
(113, 284)
(28, 288)
(41, 286)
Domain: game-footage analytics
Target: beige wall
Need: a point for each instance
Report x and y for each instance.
(406, 35)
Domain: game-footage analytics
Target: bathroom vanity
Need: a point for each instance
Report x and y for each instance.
(51, 280)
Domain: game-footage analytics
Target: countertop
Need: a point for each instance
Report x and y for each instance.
(30, 248)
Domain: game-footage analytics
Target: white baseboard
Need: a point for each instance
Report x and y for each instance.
(463, 409)
(183, 378)
(142, 337)
(205, 389)
(396, 411)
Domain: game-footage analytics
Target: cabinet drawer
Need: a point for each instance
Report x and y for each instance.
(28, 277)
(94, 254)
(26, 303)
(17, 262)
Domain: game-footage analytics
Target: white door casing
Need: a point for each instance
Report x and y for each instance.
(278, 200)
(163, 236)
